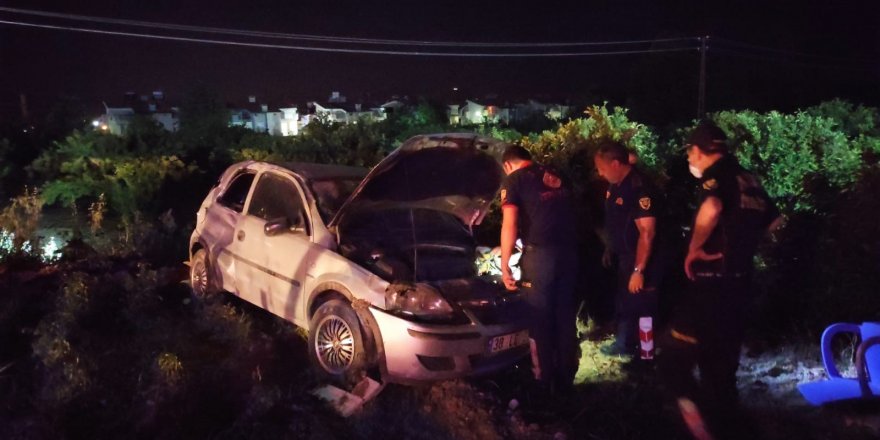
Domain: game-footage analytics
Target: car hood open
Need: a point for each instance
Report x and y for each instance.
(458, 173)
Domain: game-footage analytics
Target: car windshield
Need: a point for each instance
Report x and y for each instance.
(331, 193)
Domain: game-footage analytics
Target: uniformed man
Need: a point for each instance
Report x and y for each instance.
(734, 213)
(630, 228)
(537, 207)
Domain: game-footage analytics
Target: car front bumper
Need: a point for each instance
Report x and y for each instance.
(415, 352)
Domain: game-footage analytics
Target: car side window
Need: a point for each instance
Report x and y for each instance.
(237, 191)
(276, 197)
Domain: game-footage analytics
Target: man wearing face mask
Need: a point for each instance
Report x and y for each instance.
(733, 214)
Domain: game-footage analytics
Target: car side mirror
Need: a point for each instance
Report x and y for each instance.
(298, 222)
(276, 226)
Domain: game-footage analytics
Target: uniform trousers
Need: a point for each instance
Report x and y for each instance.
(552, 274)
(631, 306)
(707, 332)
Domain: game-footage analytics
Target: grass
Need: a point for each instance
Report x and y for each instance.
(595, 366)
(113, 347)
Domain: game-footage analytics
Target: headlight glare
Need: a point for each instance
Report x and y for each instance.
(419, 300)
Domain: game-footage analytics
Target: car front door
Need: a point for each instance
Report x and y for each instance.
(222, 219)
(279, 257)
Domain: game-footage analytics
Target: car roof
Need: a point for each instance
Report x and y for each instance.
(316, 171)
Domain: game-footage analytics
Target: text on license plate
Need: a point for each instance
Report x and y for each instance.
(510, 340)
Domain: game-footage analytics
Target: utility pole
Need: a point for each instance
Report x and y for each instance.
(701, 100)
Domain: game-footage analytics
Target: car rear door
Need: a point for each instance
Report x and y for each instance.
(278, 262)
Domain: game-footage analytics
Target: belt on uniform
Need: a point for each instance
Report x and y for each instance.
(535, 247)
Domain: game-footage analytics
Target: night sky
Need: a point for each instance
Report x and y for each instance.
(46, 64)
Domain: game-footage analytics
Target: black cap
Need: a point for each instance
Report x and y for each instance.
(708, 138)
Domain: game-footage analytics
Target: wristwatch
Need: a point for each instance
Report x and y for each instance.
(637, 270)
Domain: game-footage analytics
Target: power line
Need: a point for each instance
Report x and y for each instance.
(789, 53)
(329, 39)
(770, 58)
(343, 50)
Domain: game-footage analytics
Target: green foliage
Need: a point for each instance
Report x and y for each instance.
(560, 146)
(424, 114)
(571, 147)
(810, 161)
(853, 120)
(820, 166)
(68, 372)
(21, 219)
(169, 369)
(203, 117)
(801, 155)
(509, 135)
(88, 165)
(361, 144)
(145, 136)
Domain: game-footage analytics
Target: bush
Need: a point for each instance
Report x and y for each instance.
(808, 156)
(820, 166)
(19, 220)
(85, 166)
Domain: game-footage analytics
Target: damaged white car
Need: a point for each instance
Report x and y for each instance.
(379, 266)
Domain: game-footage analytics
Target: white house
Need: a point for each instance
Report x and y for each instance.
(289, 121)
(331, 114)
(551, 111)
(257, 117)
(117, 119)
(346, 114)
(473, 113)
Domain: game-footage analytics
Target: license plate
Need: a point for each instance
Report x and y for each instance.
(510, 340)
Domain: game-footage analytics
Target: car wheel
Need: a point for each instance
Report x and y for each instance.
(200, 281)
(336, 343)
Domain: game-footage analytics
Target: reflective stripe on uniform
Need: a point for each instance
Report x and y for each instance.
(683, 337)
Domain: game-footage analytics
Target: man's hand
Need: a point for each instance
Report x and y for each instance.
(636, 282)
(606, 258)
(507, 278)
(508, 242)
(698, 255)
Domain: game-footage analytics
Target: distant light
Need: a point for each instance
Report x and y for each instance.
(455, 89)
(104, 127)
(95, 123)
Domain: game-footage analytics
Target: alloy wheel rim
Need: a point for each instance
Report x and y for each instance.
(199, 279)
(334, 344)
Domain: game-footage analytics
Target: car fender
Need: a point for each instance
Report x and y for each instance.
(361, 308)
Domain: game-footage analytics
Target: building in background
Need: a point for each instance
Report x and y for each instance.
(257, 117)
(117, 118)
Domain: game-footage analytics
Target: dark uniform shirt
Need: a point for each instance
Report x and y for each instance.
(631, 199)
(545, 211)
(746, 213)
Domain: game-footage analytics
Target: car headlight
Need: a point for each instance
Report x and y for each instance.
(416, 299)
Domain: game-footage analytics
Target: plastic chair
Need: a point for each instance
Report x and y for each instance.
(837, 388)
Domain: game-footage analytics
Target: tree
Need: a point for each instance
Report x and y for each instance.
(204, 126)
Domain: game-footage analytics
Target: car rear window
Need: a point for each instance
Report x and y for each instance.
(330, 194)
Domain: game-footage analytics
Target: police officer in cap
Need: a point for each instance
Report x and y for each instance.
(537, 207)
(630, 228)
(734, 213)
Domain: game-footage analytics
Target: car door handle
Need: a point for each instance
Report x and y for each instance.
(240, 235)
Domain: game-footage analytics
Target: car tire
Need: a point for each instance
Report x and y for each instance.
(337, 347)
(202, 284)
